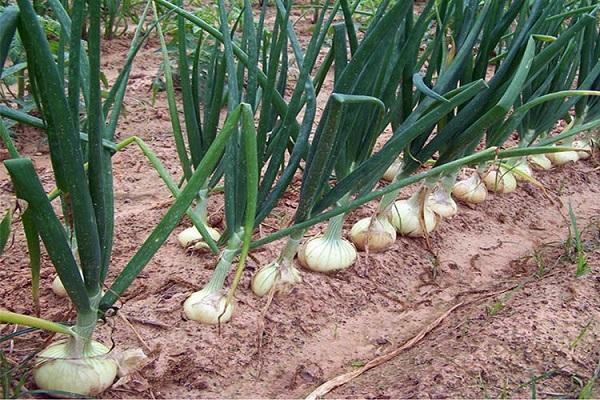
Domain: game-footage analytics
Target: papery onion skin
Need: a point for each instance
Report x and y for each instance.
(586, 149)
(206, 307)
(392, 171)
(563, 157)
(404, 216)
(375, 232)
(284, 276)
(58, 288)
(320, 254)
(442, 204)
(500, 181)
(540, 162)
(59, 370)
(191, 238)
(470, 190)
(522, 171)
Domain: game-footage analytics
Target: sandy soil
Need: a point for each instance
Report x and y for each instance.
(332, 324)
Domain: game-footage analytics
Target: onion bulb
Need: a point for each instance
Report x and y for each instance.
(563, 157)
(283, 274)
(376, 233)
(500, 181)
(58, 288)
(393, 170)
(586, 149)
(404, 216)
(59, 368)
(540, 161)
(470, 190)
(523, 171)
(207, 306)
(192, 239)
(442, 203)
(325, 254)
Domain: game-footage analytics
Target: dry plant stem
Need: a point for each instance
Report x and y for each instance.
(347, 377)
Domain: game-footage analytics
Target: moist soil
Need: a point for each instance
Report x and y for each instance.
(524, 316)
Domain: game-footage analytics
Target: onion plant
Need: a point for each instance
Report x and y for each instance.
(83, 175)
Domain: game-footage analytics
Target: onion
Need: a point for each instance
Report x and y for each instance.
(563, 157)
(404, 216)
(207, 306)
(470, 190)
(59, 368)
(393, 170)
(586, 148)
(540, 161)
(192, 239)
(523, 171)
(500, 181)
(374, 233)
(58, 288)
(442, 203)
(325, 254)
(283, 274)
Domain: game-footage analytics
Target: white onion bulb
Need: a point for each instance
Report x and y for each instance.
(563, 157)
(540, 161)
(442, 203)
(206, 307)
(264, 279)
(470, 190)
(393, 170)
(500, 181)
(191, 238)
(60, 370)
(586, 148)
(321, 254)
(58, 288)
(523, 171)
(404, 216)
(377, 233)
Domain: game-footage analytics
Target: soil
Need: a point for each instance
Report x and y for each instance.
(525, 315)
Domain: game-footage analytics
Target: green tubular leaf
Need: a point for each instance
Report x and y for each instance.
(278, 101)
(172, 102)
(63, 139)
(33, 247)
(192, 125)
(65, 22)
(29, 188)
(476, 130)
(8, 25)
(173, 215)
(99, 160)
(7, 140)
(489, 154)
(30, 120)
(5, 230)
(171, 185)
(423, 88)
(350, 30)
(323, 152)
(252, 174)
(371, 170)
(33, 322)
(251, 38)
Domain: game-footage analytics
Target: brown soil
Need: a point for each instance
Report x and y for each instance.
(331, 324)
